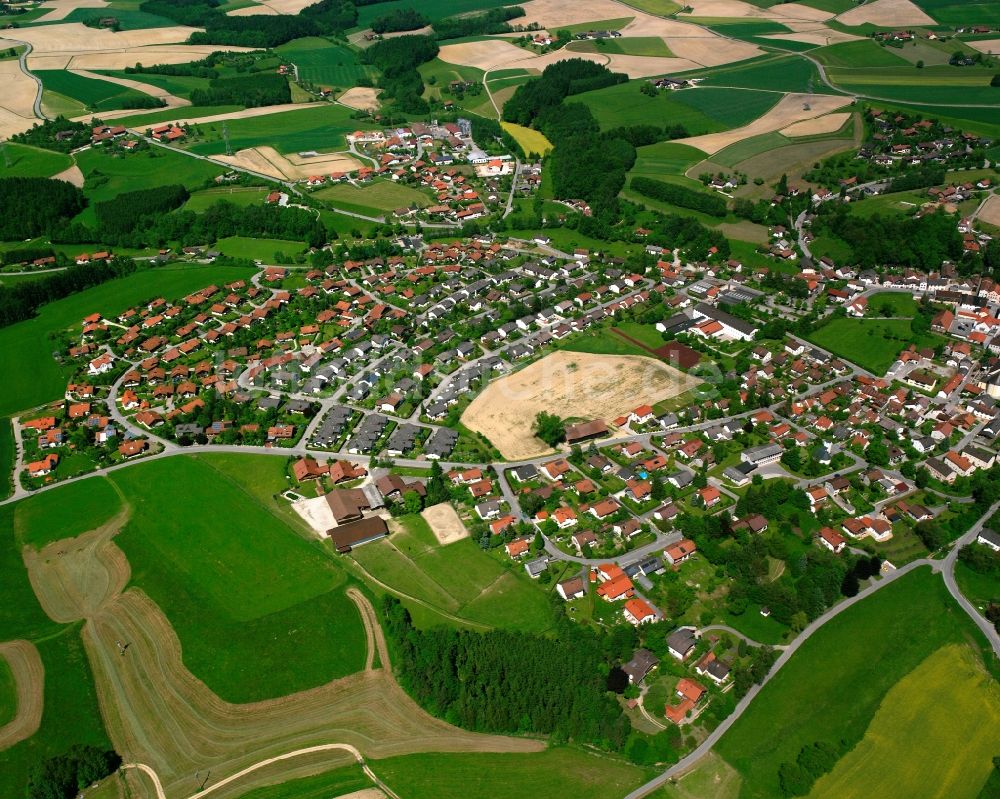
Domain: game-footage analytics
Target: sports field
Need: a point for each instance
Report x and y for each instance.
(458, 579)
(248, 638)
(898, 628)
(23, 161)
(34, 377)
(872, 344)
(948, 705)
(375, 198)
(531, 141)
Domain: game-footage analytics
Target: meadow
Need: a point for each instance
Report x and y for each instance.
(979, 589)
(458, 579)
(69, 511)
(336, 782)
(24, 161)
(237, 195)
(107, 176)
(912, 720)
(896, 303)
(34, 377)
(378, 196)
(432, 9)
(322, 127)
(858, 55)
(897, 628)
(247, 606)
(561, 770)
(325, 63)
(933, 84)
(650, 46)
(961, 12)
(259, 249)
(99, 95)
(145, 118)
(6, 457)
(531, 141)
(8, 693)
(179, 85)
(872, 344)
(783, 73)
(129, 19)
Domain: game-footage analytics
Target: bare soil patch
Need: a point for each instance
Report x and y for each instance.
(29, 676)
(445, 523)
(269, 161)
(316, 512)
(790, 109)
(990, 212)
(578, 385)
(62, 8)
(830, 123)
(886, 12)
(16, 100)
(553, 14)
(72, 175)
(77, 37)
(360, 98)
(986, 46)
(712, 51)
(486, 54)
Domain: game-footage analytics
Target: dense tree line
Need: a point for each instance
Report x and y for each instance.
(641, 135)
(681, 196)
(510, 682)
(488, 22)
(26, 255)
(813, 761)
(204, 67)
(64, 776)
(58, 134)
(34, 206)
(686, 232)
(20, 301)
(219, 221)
(399, 19)
(136, 209)
(249, 90)
(557, 82)
(917, 179)
(398, 59)
(901, 241)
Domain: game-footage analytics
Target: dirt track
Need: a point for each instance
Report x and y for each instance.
(29, 677)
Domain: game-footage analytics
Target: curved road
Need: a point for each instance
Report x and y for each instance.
(23, 63)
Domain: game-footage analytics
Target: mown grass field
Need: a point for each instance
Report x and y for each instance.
(66, 512)
(129, 19)
(33, 377)
(872, 344)
(325, 63)
(107, 176)
(896, 628)
(6, 457)
(180, 85)
(99, 95)
(897, 304)
(432, 9)
(531, 141)
(322, 127)
(142, 118)
(858, 55)
(962, 12)
(258, 249)
(8, 693)
(336, 782)
(24, 161)
(650, 46)
(783, 73)
(247, 608)
(380, 196)
(933, 84)
(459, 579)
(237, 195)
(948, 705)
(561, 771)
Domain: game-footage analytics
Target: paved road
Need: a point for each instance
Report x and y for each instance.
(23, 63)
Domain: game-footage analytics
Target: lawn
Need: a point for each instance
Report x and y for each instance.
(896, 628)
(247, 608)
(872, 344)
(34, 377)
(531, 141)
(335, 782)
(259, 249)
(24, 161)
(65, 512)
(459, 579)
(912, 721)
(896, 304)
(99, 95)
(380, 196)
(321, 127)
(8, 693)
(324, 63)
(559, 771)
(649, 46)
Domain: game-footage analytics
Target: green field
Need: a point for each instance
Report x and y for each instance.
(324, 63)
(872, 344)
(962, 12)
(379, 196)
(701, 110)
(245, 608)
(23, 161)
(979, 589)
(459, 579)
(99, 95)
(432, 9)
(8, 693)
(659, 7)
(896, 628)
(653, 46)
(108, 176)
(34, 377)
(170, 114)
(859, 54)
(258, 249)
(912, 720)
(67, 512)
(320, 128)
(336, 782)
(665, 158)
(786, 73)
(562, 771)
(129, 19)
(237, 195)
(6, 457)
(933, 84)
(900, 304)
(180, 85)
